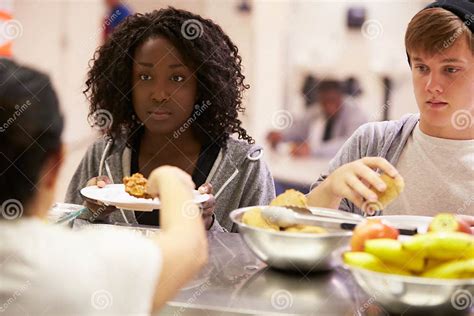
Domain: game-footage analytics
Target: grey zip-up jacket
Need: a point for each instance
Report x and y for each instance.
(239, 177)
(376, 139)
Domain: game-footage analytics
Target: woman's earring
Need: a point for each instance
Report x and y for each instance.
(136, 120)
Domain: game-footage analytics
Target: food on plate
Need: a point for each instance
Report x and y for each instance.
(370, 229)
(395, 186)
(136, 186)
(441, 254)
(306, 229)
(254, 218)
(290, 198)
(446, 222)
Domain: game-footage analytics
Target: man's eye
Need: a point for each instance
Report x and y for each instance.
(452, 70)
(421, 68)
(145, 77)
(177, 78)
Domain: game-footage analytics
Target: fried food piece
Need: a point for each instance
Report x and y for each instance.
(253, 217)
(290, 198)
(136, 186)
(394, 188)
(306, 229)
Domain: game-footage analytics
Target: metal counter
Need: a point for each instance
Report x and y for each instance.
(235, 282)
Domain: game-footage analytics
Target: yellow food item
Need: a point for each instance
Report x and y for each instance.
(394, 188)
(462, 269)
(306, 229)
(442, 245)
(290, 198)
(254, 218)
(368, 261)
(391, 251)
(136, 186)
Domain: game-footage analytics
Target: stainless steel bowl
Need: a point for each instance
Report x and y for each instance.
(398, 293)
(292, 251)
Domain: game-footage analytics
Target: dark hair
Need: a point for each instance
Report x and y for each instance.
(30, 130)
(330, 85)
(203, 45)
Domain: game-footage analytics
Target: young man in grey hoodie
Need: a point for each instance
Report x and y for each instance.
(432, 150)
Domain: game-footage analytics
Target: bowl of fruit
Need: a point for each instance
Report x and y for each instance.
(432, 270)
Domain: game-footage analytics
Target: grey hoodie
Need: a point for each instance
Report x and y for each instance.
(239, 177)
(383, 139)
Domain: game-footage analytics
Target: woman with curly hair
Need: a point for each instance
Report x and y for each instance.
(171, 85)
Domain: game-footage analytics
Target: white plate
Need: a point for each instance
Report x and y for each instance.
(115, 195)
(420, 222)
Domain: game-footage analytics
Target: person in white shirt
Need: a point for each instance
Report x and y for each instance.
(51, 270)
(433, 150)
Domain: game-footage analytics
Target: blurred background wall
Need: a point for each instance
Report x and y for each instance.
(280, 41)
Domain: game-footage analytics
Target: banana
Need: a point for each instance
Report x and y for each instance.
(392, 252)
(452, 270)
(368, 261)
(442, 245)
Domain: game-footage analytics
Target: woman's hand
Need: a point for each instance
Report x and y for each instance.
(98, 211)
(208, 206)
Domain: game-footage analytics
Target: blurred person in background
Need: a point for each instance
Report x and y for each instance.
(325, 126)
(117, 12)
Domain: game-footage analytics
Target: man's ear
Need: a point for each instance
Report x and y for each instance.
(52, 166)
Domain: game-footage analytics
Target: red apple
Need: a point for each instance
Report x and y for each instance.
(371, 228)
(446, 222)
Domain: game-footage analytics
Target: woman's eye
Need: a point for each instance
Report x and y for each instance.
(177, 78)
(145, 77)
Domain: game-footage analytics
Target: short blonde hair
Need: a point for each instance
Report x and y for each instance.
(433, 30)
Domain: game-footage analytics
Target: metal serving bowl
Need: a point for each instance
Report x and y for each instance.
(292, 251)
(399, 293)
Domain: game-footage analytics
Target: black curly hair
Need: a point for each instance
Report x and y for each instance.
(210, 51)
